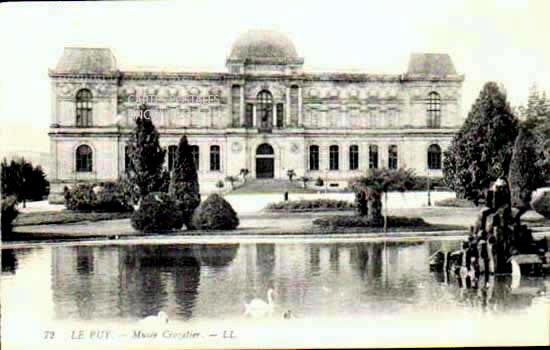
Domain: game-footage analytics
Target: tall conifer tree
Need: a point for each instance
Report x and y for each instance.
(184, 183)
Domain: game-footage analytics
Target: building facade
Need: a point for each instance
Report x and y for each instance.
(265, 114)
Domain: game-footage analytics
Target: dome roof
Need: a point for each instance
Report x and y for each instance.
(264, 46)
(86, 60)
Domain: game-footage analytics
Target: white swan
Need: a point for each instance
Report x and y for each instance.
(160, 318)
(258, 307)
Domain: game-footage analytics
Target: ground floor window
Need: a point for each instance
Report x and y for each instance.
(334, 155)
(249, 114)
(313, 157)
(280, 115)
(373, 156)
(196, 155)
(354, 157)
(84, 156)
(215, 158)
(434, 157)
(392, 157)
(172, 152)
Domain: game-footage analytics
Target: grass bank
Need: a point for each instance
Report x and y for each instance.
(65, 217)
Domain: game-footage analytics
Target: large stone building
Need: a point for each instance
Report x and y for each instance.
(265, 114)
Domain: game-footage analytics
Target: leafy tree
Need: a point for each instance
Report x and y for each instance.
(482, 149)
(9, 213)
(23, 180)
(145, 173)
(232, 180)
(377, 182)
(184, 185)
(244, 173)
(290, 173)
(526, 173)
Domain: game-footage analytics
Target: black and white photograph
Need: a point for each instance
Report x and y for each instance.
(274, 174)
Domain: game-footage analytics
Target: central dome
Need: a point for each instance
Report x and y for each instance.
(264, 46)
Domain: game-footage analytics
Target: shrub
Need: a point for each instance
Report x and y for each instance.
(107, 197)
(319, 182)
(220, 184)
(9, 213)
(455, 202)
(363, 221)
(541, 203)
(311, 204)
(215, 213)
(156, 214)
(421, 183)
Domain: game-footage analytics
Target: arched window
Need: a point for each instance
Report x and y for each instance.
(264, 109)
(434, 110)
(434, 157)
(313, 157)
(373, 156)
(215, 158)
(353, 157)
(392, 157)
(172, 154)
(83, 108)
(333, 157)
(84, 159)
(196, 155)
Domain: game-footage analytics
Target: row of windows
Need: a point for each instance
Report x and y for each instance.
(434, 157)
(195, 151)
(264, 109)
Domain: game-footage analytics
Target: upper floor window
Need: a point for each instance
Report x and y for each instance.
(434, 157)
(353, 157)
(373, 156)
(264, 108)
(434, 110)
(172, 154)
(84, 108)
(392, 157)
(313, 157)
(84, 158)
(196, 155)
(334, 155)
(215, 158)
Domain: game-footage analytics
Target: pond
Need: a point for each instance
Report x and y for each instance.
(330, 280)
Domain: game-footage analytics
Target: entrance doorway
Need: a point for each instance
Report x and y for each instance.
(265, 162)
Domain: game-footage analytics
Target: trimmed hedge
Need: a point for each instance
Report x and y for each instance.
(215, 213)
(421, 184)
(541, 203)
(455, 203)
(108, 197)
(157, 213)
(9, 213)
(311, 204)
(362, 221)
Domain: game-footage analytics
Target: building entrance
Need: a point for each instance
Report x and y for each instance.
(265, 162)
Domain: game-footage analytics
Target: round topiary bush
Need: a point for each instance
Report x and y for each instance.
(541, 203)
(9, 213)
(156, 213)
(215, 213)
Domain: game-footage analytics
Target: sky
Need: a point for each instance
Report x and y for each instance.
(491, 40)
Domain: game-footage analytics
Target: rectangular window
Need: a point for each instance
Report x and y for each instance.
(249, 114)
(353, 157)
(392, 157)
(373, 157)
(172, 151)
(196, 155)
(280, 115)
(313, 157)
(333, 159)
(214, 158)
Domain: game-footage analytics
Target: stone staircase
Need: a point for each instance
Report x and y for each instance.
(270, 186)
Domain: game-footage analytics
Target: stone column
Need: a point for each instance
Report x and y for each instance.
(254, 115)
(299, 106)
(241, 105)
(287, 109)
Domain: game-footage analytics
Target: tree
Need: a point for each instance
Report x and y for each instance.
(377, 182)
(482, 149)
(244, 173)
(291, 173)
(145, 173)
(526, 173)
(23, 180)
(232, 180)
(184, 184)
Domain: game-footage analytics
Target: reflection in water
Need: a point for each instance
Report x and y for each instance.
(206, 281)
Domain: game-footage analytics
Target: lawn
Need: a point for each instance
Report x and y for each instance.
(65, 217)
